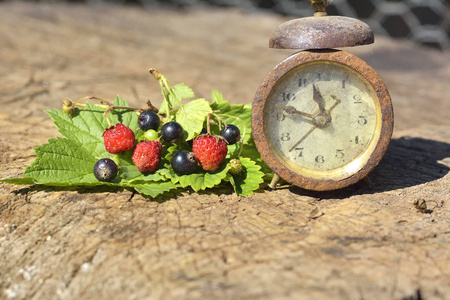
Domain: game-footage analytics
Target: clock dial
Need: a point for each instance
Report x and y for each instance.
(322, 119)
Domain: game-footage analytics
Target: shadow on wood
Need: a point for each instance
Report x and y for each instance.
(408, 162)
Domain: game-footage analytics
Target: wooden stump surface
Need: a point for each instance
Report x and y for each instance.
(356, 243)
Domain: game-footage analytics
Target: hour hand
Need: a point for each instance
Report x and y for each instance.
(290, 110)
(318, 98)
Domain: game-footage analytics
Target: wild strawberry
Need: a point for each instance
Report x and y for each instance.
(235, 166)
(147, 155)
(210, 151)
(118, 138)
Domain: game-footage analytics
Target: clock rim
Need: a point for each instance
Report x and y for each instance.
(330, 55)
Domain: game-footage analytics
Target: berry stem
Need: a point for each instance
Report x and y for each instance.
(208, 126)
(151, 107)
(166, 90)
(106, 117)
(106, 105)
(220, 121)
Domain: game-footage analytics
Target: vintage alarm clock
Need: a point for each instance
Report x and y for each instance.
(322, 119)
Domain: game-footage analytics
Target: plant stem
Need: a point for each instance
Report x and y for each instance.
(208, 127)
(106, 104)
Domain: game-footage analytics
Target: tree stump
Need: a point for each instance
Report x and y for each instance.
(357, 243)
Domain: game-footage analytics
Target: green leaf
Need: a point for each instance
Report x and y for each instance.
(251, 152)
(181, 92)
(178, 93)
(85, 127)
(192, 115)
(174, 95)
(62, 160)
(218, 102)
(18, 180)
(154, 189)
(249, 180)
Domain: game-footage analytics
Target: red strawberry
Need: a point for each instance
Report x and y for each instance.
(210, 151)
(147, 155)
(118, 138)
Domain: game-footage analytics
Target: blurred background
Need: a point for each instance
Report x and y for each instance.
(424, 21)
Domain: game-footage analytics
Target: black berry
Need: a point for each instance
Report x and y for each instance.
(171, 132)
(148, 120)
(231, 133)
(184, 162)
(105, 169)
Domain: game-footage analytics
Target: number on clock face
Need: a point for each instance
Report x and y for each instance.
(321, 116)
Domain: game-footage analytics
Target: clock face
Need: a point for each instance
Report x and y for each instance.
(322, 120)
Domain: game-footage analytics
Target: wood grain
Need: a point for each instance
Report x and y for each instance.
(356, 243)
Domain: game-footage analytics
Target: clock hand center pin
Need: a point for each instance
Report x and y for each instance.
(323, 119)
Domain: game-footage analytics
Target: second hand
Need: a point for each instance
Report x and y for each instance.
(303, 138)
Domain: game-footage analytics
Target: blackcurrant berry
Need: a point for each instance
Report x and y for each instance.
(231, 133)
(171, 132)
(184, 162)
(148, 120)
(105, 169)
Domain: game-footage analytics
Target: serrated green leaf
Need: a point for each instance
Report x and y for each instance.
(174, 95)
(178, 93)
(85, 127)
(250, 178)
(251, 152)
(18, 180)
(62, 160)
(192, 115)
(218, 102)
(154, 189)
(182, 91)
